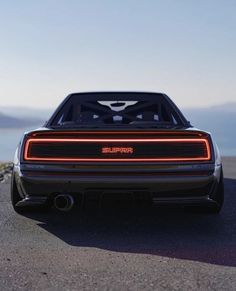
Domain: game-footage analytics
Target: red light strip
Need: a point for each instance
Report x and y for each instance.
(56, 140)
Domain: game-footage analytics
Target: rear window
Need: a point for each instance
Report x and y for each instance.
(115, 110)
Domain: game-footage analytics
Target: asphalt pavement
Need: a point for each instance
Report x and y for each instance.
(119, 249)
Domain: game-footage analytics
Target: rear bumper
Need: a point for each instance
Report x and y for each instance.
(172, 184)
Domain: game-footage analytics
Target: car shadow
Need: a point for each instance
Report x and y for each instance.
(167, 232)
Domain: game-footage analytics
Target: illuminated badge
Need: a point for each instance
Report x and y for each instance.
(117, 150)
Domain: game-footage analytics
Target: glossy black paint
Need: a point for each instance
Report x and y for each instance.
(38, 182)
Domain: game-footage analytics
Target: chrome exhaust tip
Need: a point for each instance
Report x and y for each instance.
(64, 202)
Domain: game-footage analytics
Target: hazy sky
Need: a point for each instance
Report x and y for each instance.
(182, 47)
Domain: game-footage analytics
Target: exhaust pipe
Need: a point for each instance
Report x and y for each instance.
(64, 202)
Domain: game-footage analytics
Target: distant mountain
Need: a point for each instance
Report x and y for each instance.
(26, 112)
(229, 107)
(226, 107)
(221, 121)
(13, 122)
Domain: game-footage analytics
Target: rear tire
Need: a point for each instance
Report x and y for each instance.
(15, 198)
(218, 198)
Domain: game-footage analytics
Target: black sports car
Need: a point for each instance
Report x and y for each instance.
(124, 143)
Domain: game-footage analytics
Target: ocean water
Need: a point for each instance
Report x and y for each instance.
(9, 139)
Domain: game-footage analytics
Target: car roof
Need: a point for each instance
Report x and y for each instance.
(118, 95)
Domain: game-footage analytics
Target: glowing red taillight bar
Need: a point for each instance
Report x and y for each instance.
(31, 141)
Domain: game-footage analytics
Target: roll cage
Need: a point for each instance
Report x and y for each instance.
(106, 109)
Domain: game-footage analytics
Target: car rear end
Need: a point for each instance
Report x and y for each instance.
(142, 147)
(167, 166)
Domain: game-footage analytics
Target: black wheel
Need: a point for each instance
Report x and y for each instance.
(218, 198)
(219, 195)
(15, 198)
